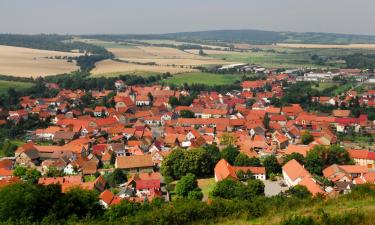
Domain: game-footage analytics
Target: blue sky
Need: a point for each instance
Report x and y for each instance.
(161, 16)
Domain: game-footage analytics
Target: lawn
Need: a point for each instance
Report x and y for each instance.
(5, 85)
(324, 85)
(206, 185)
(203, 78)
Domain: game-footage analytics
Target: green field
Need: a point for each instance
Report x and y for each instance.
(203, 78)
(5, 85)
(290, 57)
(324, 85)
(116, 74)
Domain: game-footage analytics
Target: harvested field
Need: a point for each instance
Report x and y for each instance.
(165, 59)
(111, 67)
(27, 62)
(162, 56)
(320, 46)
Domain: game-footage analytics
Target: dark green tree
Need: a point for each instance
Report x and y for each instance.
(230, 153)
(271, 164)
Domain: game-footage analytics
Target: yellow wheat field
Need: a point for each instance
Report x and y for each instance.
(165, 59)
(27, 62)
(110, 66)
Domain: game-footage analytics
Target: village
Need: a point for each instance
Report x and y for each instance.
(118, 146)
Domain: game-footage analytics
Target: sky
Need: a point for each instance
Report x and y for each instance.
(165, 16)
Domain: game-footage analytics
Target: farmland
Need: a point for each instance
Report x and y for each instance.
(5, 85)
(203, 78)
(27, 62)
(112, 67)
(327, 46)
(138, 59)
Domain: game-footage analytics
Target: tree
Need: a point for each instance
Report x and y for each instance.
(321, 156)
(196, 194)
(173, 101)
(225, 189)
(256, 187)
(186, 185)
(29, 175)
(295, 155)
(150, 97)
(266, 121)
(227, 139)
(214, 152)
(315, 160)
(187, 114)
(172, 163)
(299, 191)
(306, 137)
(230, 153)
(201, 52)
(271, 164)
(116, 178)
(181, 162)
(244, 160)
(338, 155)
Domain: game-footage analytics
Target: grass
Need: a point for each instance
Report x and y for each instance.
(203, 78)
(5, 85)
(332, 208)
(206, 185)
(324, 85)
(17, 142)
(116, 74)
(289, 57)
(89, 178)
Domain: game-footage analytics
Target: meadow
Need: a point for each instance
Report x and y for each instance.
(5, 85)
(203, 78)
(27, 62)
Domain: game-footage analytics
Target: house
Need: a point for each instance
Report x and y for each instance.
(119, 85)
(344, 172)
(295, 174)
(363, 157)
(46, 134)
(27, 155)
(301, 149)
(142, 100)
(100, 111)
(135, 163)
(107, 198)
(145, 184)
(223, 170)
(341, 113)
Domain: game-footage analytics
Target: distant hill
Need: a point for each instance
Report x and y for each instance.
(250, 36)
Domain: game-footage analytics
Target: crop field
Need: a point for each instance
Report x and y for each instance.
(264, 58)
(5, 85)
(203, 78)
(278, 57)
(138, 59)
(27, 62)
(111, 68)
(173, 42)
(328, 46)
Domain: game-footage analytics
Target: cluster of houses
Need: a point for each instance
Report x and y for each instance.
(138, 128)
(321, 75)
